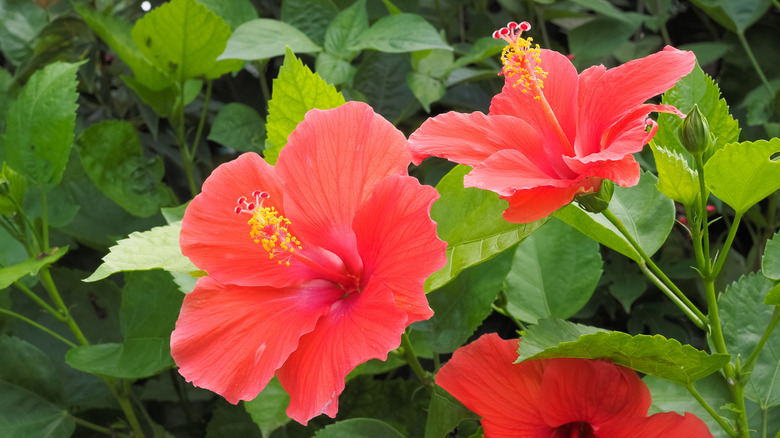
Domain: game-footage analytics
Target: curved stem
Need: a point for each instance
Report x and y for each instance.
(729, 430)
(97, 428)
(414, 363)
(747, 367)
(186, 156)
(202, 120)
(702, 324)
(51, 288)
(681, 300)
(38, 326)
(753, 61)
(33, 296)
(127, 408)
(726, 246)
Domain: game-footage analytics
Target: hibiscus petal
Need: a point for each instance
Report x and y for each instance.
(357, 328)
(533, 204)
(483, 377)
(661, 425)
(573, 391)
(606, 96)
(231, 339)
(397, 241)
(623, 172)
(508, 171)
(217, 239)
(330, 165)
(471, 138)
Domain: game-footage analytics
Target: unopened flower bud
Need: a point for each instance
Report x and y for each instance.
(695, 132)
(597, 202)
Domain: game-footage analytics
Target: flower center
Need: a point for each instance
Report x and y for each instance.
(520, 59)
(268, 227)
(579, 429)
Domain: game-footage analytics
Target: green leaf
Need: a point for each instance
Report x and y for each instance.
(741, 174)
(32, 402)
(182, 39)
(445, 414)
(230, 421)
(398, 402)
(400, 33)
(599, 37)
(12, 190)
(461, 305)
(112, 156)
(40, 123)
(699, 89)
(10, 274)
(116, 33)
(676, 179)
(310, 16)
(150, 307)
(554, 273)
(265, 38)
(157, 248)
(626, 282)
(770, 263)
(268, 408)
(345, 30)
(426, 89)
(483, 48)
(736, 16)
(295, 91)
(333, 70)
(381, 79)
(744, 317)
(772, 298)
(358, 428)
(240, 127)
(434, 63)
(653, 355)
(645, 212)
(20, 23)
(234, 12)
(470, 221)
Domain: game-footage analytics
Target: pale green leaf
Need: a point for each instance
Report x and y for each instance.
(426, 89)
(345, 30)
(10, 274)
(770, 263)
(268, 409)
(400, 33)
(265, 38)
(676, 179)
(234, 12)
(358, 428)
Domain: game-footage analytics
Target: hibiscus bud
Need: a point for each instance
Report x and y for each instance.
(598, 201)
(695, 132)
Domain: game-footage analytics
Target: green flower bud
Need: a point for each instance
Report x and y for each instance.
(598, 201)
(695, 132)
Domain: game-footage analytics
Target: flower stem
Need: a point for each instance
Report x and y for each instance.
(38, 326)
(681, 300)
(414, 363)
(726, 246)
(51, 288)
(756, 66)
(729, 430)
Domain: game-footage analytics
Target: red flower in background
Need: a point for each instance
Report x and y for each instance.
(318, 267)
(556, 397)
(552, 134)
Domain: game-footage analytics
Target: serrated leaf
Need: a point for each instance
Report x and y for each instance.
(112, 156)
(345, 30)
(400, 33)
(644, 211)
(470, 221)
(653, 355)
(265, 38)
(31, 266)
(676, 179)
(268, 409)
(238, 126)
(358, 428)
(157, 248)
(15, 186)
(744, 317)
(461, 305)
(445, 414)
(40, 123)
(696, 88)
(295, 91)
(770, 262)
(148, 313)
(32, 402)
(741, 174)
(182, 39)
(554, 273)
(234, 12)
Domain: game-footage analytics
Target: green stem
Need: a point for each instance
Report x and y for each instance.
(38, 326)
(747, 367)
(97, 428)
(700, 323)
(726, 247)
(414, 363)
(738, 392)
(141, 407)
(263, 83)
(26, 220)
(33, 296)
(505, 312)
(540, 19)
(729, 430)
(202, 120)
(45, 219)
(753, 61)
(695, 231)
(702, 222)
(51, 288)
(682, 301)
(127, 408)
(186, 156)
(182, 394)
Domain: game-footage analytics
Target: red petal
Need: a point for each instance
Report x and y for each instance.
(483, 377)
(508, 171)
(533, 204)
(662, 425)
(573, 390)
(357, 328)
(330, 165)
(472, 138)
(624, 172)
(606, 96)
(230, 340)
(217, 239)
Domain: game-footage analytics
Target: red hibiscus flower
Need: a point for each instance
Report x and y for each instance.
(315, 265)
(556, 397)
(552, 134)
